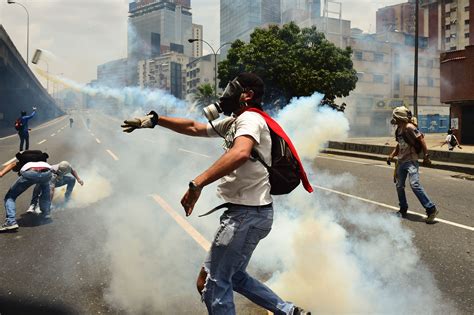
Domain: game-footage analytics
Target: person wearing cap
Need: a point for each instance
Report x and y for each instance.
(31, 173)
(244, 186)
(62, 174)
(410, 142)
(23, 132)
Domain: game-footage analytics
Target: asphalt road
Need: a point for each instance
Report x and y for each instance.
(119, 250)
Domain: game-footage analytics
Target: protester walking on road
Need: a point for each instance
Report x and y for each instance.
(62, 174)
(245, 187)
(71, 121)
(21, 125)
(410, 144)
(451, 141)
(33, 170)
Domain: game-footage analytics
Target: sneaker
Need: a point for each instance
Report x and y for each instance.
(31, 209)
(47, 216)
(9, 226)
(299, 311)
(431, 213)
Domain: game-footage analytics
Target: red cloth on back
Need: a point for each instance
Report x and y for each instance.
(275, 127)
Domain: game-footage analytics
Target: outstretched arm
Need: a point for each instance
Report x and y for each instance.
(76, 176)
(184, 126)
(7, 168)
(231, 160)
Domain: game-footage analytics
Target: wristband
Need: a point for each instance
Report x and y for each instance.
(193, 186)
(155, 117)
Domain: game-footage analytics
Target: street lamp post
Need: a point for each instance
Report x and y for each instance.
(415, 81)
(215, 52)
(27, 29)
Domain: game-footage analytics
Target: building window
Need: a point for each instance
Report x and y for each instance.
(378, 78)
(360, 76)
(443, 123)
(430, 82)
(447, 27)
(466, 9)
(466, 22)
(396, 83)
(448, 39)
(466, 35)
(410, 81)
(378, 57)
(452, 48)
(358, 55)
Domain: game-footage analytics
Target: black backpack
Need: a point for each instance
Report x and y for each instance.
(453, 141)
(284, 171)
(29, 156)
(18, 124)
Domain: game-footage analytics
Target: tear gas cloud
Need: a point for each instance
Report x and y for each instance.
(325, 253)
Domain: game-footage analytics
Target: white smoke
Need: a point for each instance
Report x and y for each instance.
(326, 254)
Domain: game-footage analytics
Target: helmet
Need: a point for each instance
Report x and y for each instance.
(64, 167)
(401, 113)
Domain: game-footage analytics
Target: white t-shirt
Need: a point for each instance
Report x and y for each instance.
(448, 140)
(249, 184)
(29, 165)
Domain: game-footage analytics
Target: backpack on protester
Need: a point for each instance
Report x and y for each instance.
(18, 124)
(286, 171)
(453, 141)
(29, 156)
(411, 140)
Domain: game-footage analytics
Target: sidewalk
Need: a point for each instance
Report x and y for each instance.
(379, 148)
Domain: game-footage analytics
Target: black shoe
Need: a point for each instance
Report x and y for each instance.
(299, 311)
(431, 213)
(402, 213)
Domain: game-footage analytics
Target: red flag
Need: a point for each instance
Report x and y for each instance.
(275, 127)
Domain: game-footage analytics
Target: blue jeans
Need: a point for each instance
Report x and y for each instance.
(242, 227)
(24, 138)
(27, 179)
(410, 169)
(67, 179)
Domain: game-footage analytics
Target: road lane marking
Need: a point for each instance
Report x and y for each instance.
(470, 228)
(42, 141)
(358, 162)
(187, 151)
(9, 161)
(98, 141)
(92, 134)
(112, 155)
(201, 240)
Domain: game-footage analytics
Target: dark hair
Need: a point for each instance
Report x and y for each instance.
(23, 113)
(450, 131)
(253, 82)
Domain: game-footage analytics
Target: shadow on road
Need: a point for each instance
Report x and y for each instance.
(32, 220)
(20, 306)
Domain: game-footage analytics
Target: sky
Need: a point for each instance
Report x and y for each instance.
(82, 34)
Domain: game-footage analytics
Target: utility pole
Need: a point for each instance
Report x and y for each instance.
(415, 80)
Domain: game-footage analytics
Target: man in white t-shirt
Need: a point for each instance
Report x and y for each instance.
(244, 186)
(451, 141)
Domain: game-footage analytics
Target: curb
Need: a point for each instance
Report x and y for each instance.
(460, 168)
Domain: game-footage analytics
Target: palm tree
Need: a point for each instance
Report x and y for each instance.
(204, 95)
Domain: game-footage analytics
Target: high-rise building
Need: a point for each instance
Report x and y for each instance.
(200, 71)
(197, 45)
(449, 23)
(113, 73)
(158, 26)
(400, 17)
(240, 17)
(166, 72)
(299, 10)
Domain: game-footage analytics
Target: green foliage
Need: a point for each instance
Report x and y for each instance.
(205, 95)
(292, 62)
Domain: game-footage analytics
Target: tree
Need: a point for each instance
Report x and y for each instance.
(204, 95)
(292, 62)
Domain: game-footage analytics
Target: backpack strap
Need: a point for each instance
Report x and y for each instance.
(224, 205)
(276, 128)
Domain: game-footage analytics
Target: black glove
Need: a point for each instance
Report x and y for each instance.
(148, 121)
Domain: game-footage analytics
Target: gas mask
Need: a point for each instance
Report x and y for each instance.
(228, 103)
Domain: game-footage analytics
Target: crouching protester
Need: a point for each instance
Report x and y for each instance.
(244, 186)
(33, 170)
(62, 174)
(410, 143)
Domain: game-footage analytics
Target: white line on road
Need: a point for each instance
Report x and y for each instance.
(201, 240)
(42, 141)
(391, 207)
(187, 151)
(92, 134)
(9, 161)
(53, 134)
(112, 155)
(357, 162)
(98, 141)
